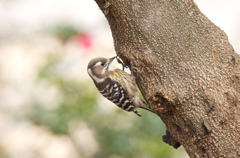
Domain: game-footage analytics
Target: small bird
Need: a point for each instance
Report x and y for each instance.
(116, 85)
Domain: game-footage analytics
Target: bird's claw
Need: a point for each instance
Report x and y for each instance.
(133, 69)
(120, 62)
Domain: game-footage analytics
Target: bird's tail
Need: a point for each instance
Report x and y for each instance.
(143, 105)
(146, 107)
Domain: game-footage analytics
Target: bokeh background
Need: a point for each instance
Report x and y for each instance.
(49, 107)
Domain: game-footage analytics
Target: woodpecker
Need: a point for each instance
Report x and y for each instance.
(116, 85)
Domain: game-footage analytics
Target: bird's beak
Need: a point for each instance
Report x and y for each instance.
(111, 59)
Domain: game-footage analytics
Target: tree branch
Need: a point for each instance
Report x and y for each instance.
(189, 73)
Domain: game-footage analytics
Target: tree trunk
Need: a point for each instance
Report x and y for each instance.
(188, 71)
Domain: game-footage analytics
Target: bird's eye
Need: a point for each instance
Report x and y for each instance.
(102, 64)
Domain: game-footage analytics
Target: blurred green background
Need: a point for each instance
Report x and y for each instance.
(49, 106)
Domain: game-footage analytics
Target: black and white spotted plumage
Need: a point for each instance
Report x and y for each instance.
(116, 85)
(114, 92)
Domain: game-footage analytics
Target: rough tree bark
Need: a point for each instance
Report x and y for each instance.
(189, 73)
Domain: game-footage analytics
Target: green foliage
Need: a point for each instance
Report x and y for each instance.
(119, 133)
(64, 31)
(2, 153)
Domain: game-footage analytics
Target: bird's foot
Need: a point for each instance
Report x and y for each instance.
(133, 69)
(121, 62)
